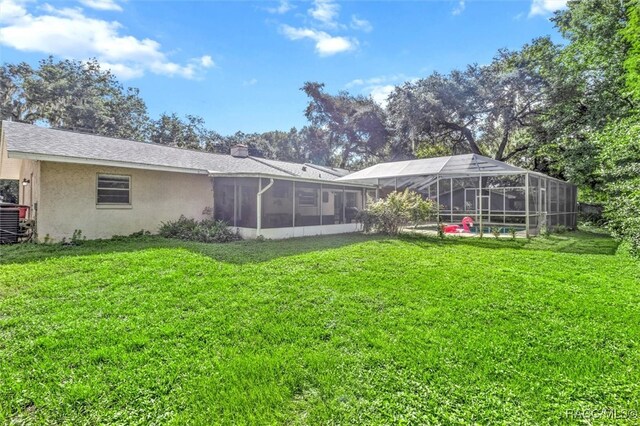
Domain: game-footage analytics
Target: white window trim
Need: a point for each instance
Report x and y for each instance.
(114, 205)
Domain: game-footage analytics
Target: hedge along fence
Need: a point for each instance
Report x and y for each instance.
(396, 211)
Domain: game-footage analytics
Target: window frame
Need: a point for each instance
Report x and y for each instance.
(114, 205)
(305, 194)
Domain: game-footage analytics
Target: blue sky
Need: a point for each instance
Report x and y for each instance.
(240, 64)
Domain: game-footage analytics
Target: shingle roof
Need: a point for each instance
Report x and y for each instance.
(452, 165)
(30, 141)
(306, 170)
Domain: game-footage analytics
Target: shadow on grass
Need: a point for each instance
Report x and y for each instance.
(576, 242)
(240, 252)
(250, 251)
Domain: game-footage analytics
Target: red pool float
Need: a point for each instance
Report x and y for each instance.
(456, 229)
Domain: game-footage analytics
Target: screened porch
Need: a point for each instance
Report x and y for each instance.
(269, 204)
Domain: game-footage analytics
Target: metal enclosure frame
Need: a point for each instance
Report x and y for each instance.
(491, 203)
(493, 193)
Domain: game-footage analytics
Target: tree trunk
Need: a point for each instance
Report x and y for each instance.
(472, 142)
(503, 143)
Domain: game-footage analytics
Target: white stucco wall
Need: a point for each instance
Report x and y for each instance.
(29, 194)
(68, 200)
(9, 167)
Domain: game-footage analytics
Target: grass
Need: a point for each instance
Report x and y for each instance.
(338, 330)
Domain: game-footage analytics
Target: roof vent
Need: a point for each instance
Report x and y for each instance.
(304, 168)
(240, 151)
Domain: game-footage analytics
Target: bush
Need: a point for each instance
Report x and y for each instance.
(496, 232)
(560, 229)
(205, 231)
(397, 210)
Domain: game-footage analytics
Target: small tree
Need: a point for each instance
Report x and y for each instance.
(397, 210)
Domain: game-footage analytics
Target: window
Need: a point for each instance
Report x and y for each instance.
(114, 189)
(307, 206)
(307, 198)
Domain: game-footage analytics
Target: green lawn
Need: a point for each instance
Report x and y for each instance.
(332, 330)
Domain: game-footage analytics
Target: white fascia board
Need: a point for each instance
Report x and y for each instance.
(95, 162)
(291, 178)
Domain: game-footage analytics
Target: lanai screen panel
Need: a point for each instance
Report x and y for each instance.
(224, 193)
(246, 202)
(277, 204)
(286, 203)
(353, 203)
(235, 201)
(332, 205)
(308, 204)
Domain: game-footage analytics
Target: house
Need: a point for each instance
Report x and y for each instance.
(105, 186)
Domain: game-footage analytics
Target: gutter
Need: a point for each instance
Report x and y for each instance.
(290, 178)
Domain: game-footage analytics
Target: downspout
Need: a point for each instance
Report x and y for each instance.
(480, 203)
(526, 203)
(438, 197)
(259, 206)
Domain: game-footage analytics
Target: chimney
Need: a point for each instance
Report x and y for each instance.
(240, 151)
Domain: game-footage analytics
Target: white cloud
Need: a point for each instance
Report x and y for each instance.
(380, 93)
(361, 24)
(393, 78)
(11, 11)
(545, 7)
(380, 87)
(69, 33)
(324, 25)
(459, 8)
(356, 82)
(325, 11)
(326, 44)
(123, 71)
(102, 5)
(283, 7)
(206, 61)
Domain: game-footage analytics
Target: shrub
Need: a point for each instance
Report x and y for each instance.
(206, 231)
(512, 231)
(77, 238)
(560, 229)
(367, 219)
(496, 232)
(397, 210)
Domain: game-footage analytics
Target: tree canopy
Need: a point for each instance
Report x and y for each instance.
(72, 95)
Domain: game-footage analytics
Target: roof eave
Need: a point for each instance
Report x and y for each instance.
(98, 162)
(291, 178)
